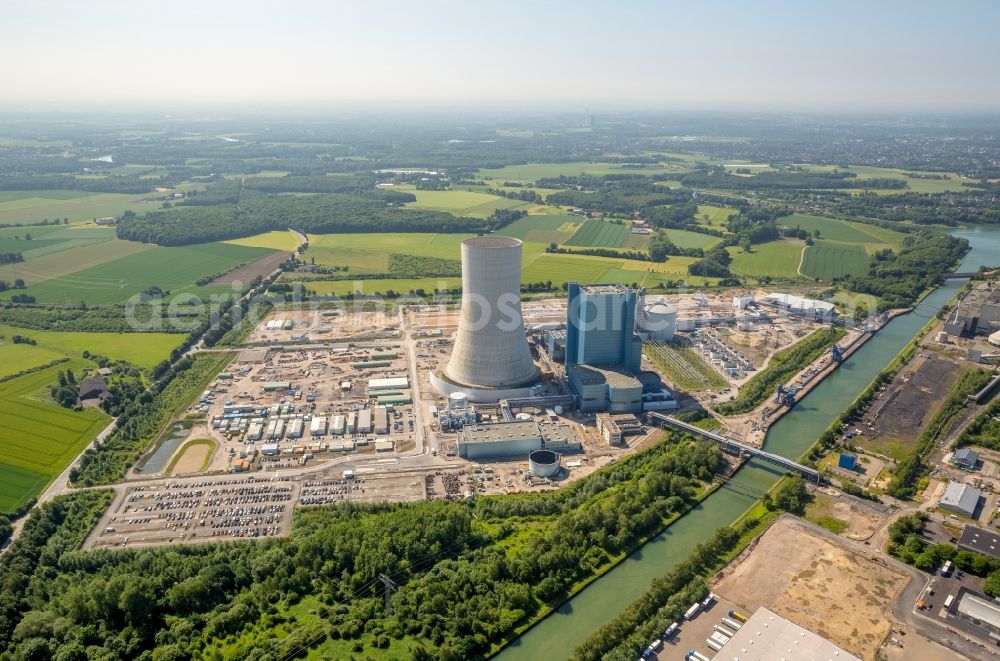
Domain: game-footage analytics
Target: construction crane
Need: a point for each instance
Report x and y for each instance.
(837, 354)
(786, 395)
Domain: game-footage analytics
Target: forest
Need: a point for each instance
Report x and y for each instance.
(900, 278)
(320, 213)
(467, 575)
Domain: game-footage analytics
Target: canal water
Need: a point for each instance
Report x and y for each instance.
(558, 635)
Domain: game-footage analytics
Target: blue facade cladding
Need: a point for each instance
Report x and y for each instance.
(600, 326)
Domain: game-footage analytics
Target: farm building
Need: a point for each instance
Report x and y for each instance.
(960, 498)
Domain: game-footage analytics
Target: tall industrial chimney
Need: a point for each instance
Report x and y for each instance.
(491, 350)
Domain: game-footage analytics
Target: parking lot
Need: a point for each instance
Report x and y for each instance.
(197, 511)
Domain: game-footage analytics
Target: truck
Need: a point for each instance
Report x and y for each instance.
(695, 655)
(709, 600)
(671, 631)
(714, 645)
(948, 600)
(732, 624)
(692, 612)
(946, 569)
(738, 615)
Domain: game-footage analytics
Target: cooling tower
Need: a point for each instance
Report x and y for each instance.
(491, 350)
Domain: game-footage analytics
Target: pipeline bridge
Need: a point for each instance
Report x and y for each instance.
(736, 447)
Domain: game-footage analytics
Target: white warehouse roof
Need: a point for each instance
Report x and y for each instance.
(767, 636)
(793, 302)
(392, 382)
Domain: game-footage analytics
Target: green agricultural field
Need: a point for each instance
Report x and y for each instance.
(713, 216)
(73, 259)
(142, 349)
(369, 287)
(685, 239)
(286, 241)
(778, 259)
(171, 269)
(33, 206)
(599, 233)
(39, 438)
(20, 357)
(841, 230)
(828, 260)
(464, 203)
(560, 268)
(544, 229)
(56, 239)
(532, 172)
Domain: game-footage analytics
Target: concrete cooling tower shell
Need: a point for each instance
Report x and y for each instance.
(491, 349)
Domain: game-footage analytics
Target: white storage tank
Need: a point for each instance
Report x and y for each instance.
(659, 320)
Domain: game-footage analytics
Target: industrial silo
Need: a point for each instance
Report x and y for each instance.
(491, 349)
(543, 463)
(659, 321)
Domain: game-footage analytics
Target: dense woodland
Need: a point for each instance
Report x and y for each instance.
(898, 279)
(321, 213)
(457, 593)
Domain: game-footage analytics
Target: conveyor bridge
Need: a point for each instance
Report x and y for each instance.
(736, 447)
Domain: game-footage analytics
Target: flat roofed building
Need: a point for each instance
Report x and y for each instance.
(960, 498)
(605, 388)
(977, 609)
(388, 383)
(515, 439)
(982, 541)
(798, 305)
(767, 636)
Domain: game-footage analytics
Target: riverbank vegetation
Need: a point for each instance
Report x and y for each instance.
(783, 365)
(467, 575)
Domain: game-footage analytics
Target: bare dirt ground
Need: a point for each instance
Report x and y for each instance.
(246, 273)
(841, 595)
(193, 458)
(909, 402)
(861, 521)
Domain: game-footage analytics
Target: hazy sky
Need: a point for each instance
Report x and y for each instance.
(799, 54)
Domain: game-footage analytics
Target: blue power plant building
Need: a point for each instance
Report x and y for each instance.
(600, 326)
(603, 352)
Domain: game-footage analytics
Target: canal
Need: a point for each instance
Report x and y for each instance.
(559, 634)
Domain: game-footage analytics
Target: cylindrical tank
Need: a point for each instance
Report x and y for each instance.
(543, 463)
(659, 320)
(457, 401)
(491, 349)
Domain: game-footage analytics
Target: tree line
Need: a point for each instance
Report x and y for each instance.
(320, 213)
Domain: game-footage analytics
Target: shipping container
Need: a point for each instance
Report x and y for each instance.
(732, 624)
(714, 645)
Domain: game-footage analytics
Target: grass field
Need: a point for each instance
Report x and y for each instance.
(464, 203)
(285, 241)
(544, 229)
(33, 206)
(713, 216)
(142, 349)
(685, 239)
(39, 438)
(827, 260)
(598, 233)
(840, 230)
(72, 260)
(403, 285)
(20, 357)
(173, 269)
(778, 259)
(531, 172)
